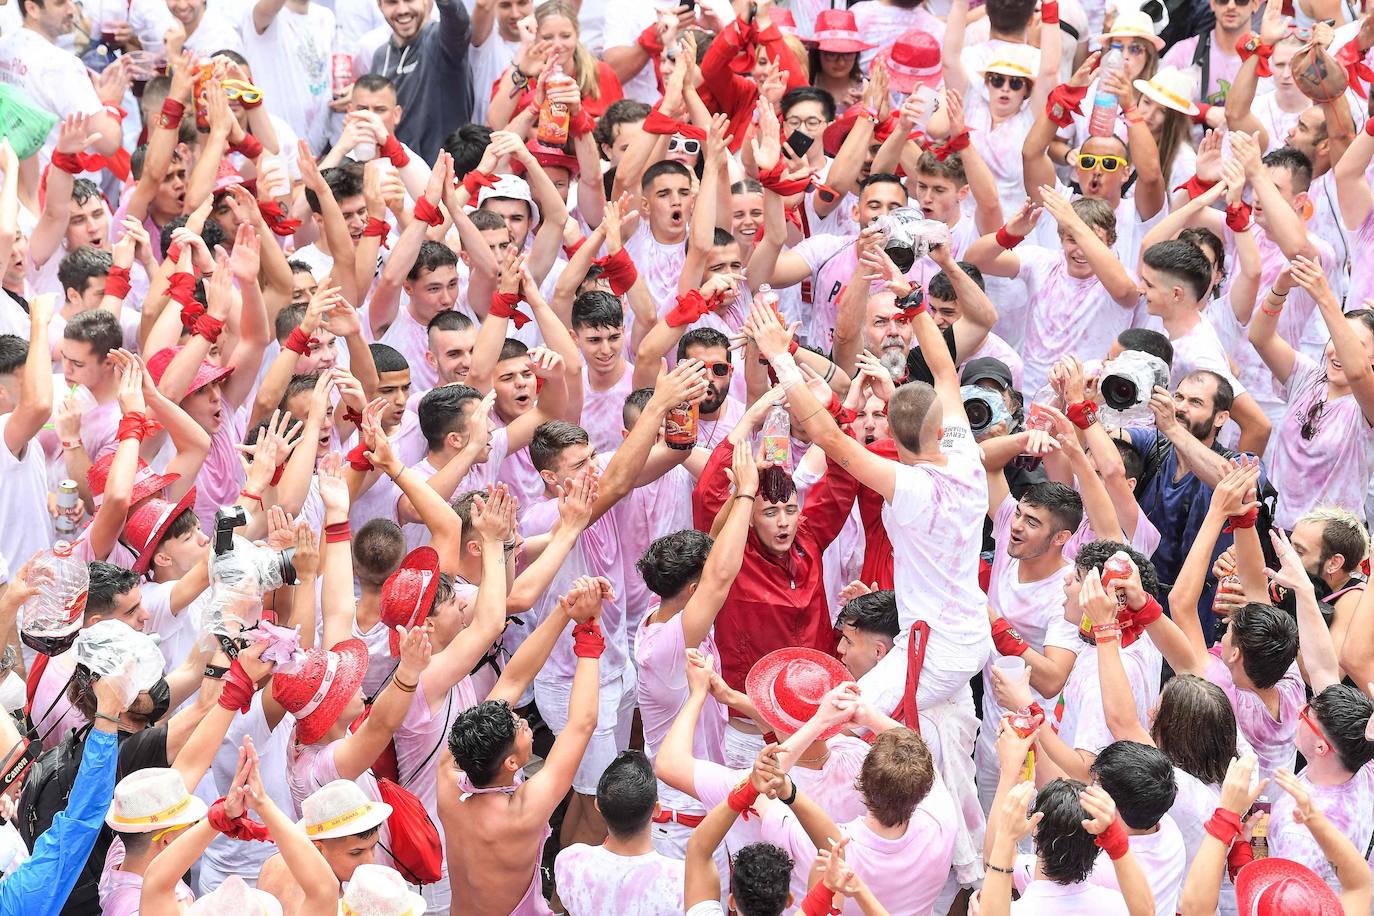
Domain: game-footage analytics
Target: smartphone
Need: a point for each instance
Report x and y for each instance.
(799, 142)
(688, 5)
(753, 12)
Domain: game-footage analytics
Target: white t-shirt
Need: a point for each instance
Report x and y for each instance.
(935, 523)
(25, 525)
(487, 62)
(53, 79)
(215, 33)
(593, 880)
(177, 631)
(1201, 348)
(149, 19)
(625, 21)
(290, 61)
(881, 24)
(1083, 722)
(1161, 856)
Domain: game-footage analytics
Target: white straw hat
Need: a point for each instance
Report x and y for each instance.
(1171, 87)
(340, 809)
(1014, 60)
(154, 799)
(375, 890)
(1132, 24)
(235, 898)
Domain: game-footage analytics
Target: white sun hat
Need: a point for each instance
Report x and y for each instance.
(154, 799)
(1171, 87)
(375, 890)
(339, 809)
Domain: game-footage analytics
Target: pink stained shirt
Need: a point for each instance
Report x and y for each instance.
(1274, 740)
(661, 660)
(651, 511)
(517, 471)
(1082, 720)
(411, 340)
(1333, 467)
(603, 411)
(121, 891)
(422, 740)
(593, 880)
(1349, 806)
(222, 475)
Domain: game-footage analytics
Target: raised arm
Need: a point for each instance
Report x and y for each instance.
(727, 553)
(1315, 649)
(357, 751)
(35, 381)
(1037, 168)
(1311, 276)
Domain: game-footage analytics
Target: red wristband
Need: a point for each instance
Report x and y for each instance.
(250, 147)
(136, 426)
(1114, 840)
(475, 180)
(649, 41)
(1242, 521)
(274, 214)
(691, 306)
(337, 532)
(1239, 856)
(208, 327)
(299, 342)
(392, 149)
(587, 640)
(503, 305)
(581, 123)
(1201, 116)
(784, 187)
(954, 144)
(357, 458)
(276, 475)
(426, 212)
(239, 828)
(377, 229)
(620, 271)
(1369, 127)
(1083, 414)
(68, 162)
(1063, 103)
(1224, 825)
(238, 689)
(1238, 217)
(246, 493)
(1049, 12)
(1195, 186)
(819, 901)
(351, 415)
(1007, 240)
(842, 415)
(117, 283)
(741, 798)
(181, 289)
(1248, 46)
(173, 109)
(1006, 640)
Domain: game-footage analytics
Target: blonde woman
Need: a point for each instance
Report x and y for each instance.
(556, 39)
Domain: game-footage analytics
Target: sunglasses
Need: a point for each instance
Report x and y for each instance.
(998, 80)
(718, 369)
(1309, 425)
(1235, 2)
(1088, 162)
(241, 91)
(680, 144)
(1307, 720)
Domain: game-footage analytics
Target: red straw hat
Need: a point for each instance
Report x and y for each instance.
(913, 59)
(408, 593)
(147, 482)
(838, 33)
(787, 686)
(548, 157)
(783, 20)
(1281, 887)
(317, 693)
(148, 523)
(206, 374)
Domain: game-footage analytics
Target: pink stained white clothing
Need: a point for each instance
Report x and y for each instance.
(1201, 348)
(660, 265)
(1222, 66)
(516, 470)
(1333, 466)
(176, 630)
(1066, 316)
(222, 475)
(712, 432)
(120, 891)
(1046, 898)
(995, 347)
(1082, 722)
(660, 658)
(290, 61)
(1035, 609)
(52, 78)
(1274, 740)
(422, 740)
(832, 260)
(25, 525)
(53, 714)
(411, 340)
(1145, 538)
(1349, 806)
(1362, 280)
(905, 873)
(935, 523)
(603, 410)
(1161, 857)
(593, 880)
(881, 24)
(649, 512)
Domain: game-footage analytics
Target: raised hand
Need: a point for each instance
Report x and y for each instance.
(1100, 807)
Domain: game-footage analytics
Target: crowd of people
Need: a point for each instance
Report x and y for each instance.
(760, 456)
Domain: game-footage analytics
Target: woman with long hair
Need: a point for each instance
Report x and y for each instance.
(1323, 448)
(557, 40)
(834, 58)
(1165, 101)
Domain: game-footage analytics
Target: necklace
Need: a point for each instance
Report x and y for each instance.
(814, 762)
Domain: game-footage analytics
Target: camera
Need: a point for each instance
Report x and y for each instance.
(241, 572)
(984, 408)
(1128, 381)
(907, 236)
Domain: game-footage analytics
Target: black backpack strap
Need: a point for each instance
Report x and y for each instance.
(1202, 59)
(448, 705)
(33, 723)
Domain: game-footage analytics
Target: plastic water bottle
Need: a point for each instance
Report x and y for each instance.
(53, 616)
(554, 117)
(767, 296)
(1102, 123)
(777, 437)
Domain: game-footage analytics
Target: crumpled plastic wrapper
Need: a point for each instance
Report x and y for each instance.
(231, 608)
(111, 648)
(283, 646)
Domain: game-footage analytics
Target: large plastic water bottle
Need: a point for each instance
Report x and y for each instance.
(777, 437)
(1102, 122)
(53, 616)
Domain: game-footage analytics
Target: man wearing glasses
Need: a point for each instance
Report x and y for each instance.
(1214, 52)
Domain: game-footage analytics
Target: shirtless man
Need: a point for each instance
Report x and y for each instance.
(502, 817)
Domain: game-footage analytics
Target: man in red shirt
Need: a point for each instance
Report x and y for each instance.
(778, 599)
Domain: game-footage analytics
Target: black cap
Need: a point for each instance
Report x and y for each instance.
(985, 368)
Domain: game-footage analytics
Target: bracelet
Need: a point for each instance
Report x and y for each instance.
(245, 492)
(746, 496)
(68, 446)
(216, 672)
(791, 798)
(403, 687)
(1000, 869)
(340, 531)
(101, 715)
(1007, 240)
(1106, 632)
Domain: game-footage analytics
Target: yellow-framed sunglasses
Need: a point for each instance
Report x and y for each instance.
(1087, 162)
(243, 92)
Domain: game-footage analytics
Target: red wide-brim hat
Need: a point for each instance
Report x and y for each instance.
(408, 593)
(148, 523)
(1282, 887)
(787, 685)
(317, 693)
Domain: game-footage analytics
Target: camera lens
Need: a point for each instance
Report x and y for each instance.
(286, 567)
(1119, 392)
(979, 414)
(902, 254)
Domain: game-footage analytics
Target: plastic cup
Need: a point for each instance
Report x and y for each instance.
(1010, 665)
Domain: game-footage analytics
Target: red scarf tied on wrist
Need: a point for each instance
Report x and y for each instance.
(691, 306)
(619, 270)
(117, 283)
(181, 289)
(118, 163)
(274, 214)
(377, 229)
(473, 181)
(1063, 103)
(1356, 70)
(503, 305)
(783, 187)
(426, 212)
(954, 144)
(239, 828)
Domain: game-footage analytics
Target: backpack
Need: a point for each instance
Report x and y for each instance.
(46, 793)
(415, 845)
